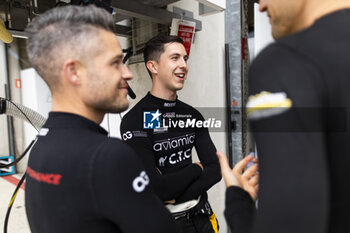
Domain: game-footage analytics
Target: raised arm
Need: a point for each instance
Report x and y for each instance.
(242, 188)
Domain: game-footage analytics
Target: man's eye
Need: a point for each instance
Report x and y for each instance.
(117, 63)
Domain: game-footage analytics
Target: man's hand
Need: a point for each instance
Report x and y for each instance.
(248, 180)
(200, 165)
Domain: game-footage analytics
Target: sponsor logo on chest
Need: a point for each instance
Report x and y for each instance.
(173, 143)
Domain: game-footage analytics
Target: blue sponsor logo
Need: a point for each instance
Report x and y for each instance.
(151, 120)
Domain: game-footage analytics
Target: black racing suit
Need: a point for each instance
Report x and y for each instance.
(79, 180)
(303, 152)
(168, 149)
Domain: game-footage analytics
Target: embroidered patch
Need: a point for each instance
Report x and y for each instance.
(267, 104)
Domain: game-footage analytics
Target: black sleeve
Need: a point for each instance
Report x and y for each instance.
(122, 194)
(240, 210)
(293, 186)
(207, 155)
(167, 186)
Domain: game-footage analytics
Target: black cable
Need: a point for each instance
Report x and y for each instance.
(4, 110)
(19, 158)
(2, 105)
(12, 201)
(16, 190)
(129, 52)
(127, 55)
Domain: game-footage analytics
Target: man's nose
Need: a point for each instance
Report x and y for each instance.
(126, 73)
(183, 63)
(263, 5)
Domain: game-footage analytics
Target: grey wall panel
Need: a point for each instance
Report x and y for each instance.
(233, 39)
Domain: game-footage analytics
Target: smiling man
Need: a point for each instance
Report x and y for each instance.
(165, 149)
(304, 146)
(97, 182)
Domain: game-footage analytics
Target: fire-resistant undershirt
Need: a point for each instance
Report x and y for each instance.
(168, 149)
(304, 152)
(79, 180)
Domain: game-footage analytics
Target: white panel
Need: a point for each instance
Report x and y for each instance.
(4, 145)
(218, 5)
(35, 93)
(36, 96)
(111, 123)
(262, 29)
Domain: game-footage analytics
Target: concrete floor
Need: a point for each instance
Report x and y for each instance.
(18, 221)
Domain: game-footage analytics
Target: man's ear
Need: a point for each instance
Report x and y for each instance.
(72, 70)
(152, 66)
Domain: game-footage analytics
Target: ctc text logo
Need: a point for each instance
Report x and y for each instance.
(151, 120)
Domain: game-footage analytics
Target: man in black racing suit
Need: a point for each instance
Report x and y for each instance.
(163, 130)
(79, 180)
(303, 149)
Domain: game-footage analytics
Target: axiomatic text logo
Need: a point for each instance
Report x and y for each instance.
(151, 120)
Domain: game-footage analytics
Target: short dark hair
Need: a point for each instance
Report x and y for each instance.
(155, 47)
(63, 32)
